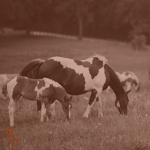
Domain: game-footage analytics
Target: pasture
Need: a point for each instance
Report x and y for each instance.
(111, 132)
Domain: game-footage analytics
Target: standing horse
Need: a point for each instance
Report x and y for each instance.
(80, 76)
(128, 79)
(43, 90)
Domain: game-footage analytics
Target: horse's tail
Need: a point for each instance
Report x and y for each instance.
(31, 69)
(4, 91)
(136, 82)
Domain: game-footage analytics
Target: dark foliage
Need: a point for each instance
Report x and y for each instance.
(111, 19)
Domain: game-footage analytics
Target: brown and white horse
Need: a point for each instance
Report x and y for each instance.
(80, 76)
(43, 90)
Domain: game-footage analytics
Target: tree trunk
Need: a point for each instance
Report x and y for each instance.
(80, 28)
(80, 18)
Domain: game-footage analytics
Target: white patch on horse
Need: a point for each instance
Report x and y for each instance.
(118, 104)
(43, 112)
(100, 57)
(11, 85)
(49, 81)
(11, 107)
(79, 69)
(122, 77)
(100, 79)
(88, 109)
(39, 91)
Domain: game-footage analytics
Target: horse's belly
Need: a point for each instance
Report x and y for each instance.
(75, 89)
(29, 96)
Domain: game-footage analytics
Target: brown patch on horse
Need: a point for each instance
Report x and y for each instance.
(25, 86)
(127, 80)
(41, 84)
(84, 64)
(123, 83)
(127, 73)
(130, 80)
(60, 93)
(18, 87)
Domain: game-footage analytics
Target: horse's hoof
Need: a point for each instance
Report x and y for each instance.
(42, 120)
(13, 126)
(85, 117)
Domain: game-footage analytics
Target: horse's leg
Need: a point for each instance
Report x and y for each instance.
(43, 111)
(52, 109)
(100, 111)
(39, 106)
(93, 97)
(11, 109)
(48, 114)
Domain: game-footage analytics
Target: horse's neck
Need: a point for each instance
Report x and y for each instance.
(114, 83)
(118, 91)
(59, 94)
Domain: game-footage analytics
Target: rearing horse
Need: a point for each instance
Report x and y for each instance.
(80, 76)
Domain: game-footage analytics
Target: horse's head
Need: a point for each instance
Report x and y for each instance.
(122, 103)
(67, 105)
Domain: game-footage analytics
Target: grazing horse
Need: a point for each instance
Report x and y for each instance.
(128, 79)
(43, 90)
(80, 76)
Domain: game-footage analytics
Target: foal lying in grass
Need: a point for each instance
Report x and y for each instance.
(44, 90)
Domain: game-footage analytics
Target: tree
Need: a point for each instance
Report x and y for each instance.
(6, 13)
(135, 13)
(77, 10)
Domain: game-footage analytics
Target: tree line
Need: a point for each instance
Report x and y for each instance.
(107, 19)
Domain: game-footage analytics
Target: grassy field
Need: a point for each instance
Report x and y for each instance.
(111, 132)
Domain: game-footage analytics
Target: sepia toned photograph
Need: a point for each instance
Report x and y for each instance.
(74, 75)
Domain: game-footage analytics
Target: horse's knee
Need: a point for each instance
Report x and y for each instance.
(92, 97)
(11, 106)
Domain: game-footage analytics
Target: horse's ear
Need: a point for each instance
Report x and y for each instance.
(128, 92)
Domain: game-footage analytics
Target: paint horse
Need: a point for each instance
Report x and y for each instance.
(43, 90)
(80, 76)
(128, 79)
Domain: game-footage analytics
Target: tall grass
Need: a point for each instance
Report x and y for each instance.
(111, 132)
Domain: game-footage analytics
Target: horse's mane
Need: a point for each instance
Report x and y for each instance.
(100, 57)
(30, 70)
